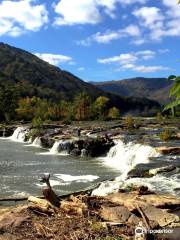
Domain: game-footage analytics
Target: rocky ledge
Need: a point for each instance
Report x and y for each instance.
(84, 216)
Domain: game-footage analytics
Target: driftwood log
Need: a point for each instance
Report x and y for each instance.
(48, 192)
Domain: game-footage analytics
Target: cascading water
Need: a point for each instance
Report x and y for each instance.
(124, 157)
(19, 134)
(61, 146)
(37, 142)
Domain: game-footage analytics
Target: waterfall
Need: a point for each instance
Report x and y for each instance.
(19, 134)
(61, 146)
(124, 157)
(37, 142)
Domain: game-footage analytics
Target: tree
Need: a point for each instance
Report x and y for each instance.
(101, 106)
(82, 104)
(29, 108)
(113, 113)
(8, 101)
(174, 92)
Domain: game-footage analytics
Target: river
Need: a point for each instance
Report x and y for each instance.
(22, 165)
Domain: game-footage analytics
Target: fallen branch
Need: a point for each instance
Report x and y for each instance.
(143, 216)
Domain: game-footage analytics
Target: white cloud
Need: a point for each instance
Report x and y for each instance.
(108, 36)
(17, 17)
(156, 23)
(146, 54)
(77, 12)
(131, 61)
(54, 59)
(122, 59)
(149, 69)
(81, 69)
(86, 11)
(149, 15)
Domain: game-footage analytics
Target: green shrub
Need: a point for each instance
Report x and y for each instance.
(129, 122)
(166, 135)
(159, 116)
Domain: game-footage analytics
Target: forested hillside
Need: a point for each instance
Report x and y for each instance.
(26, 80)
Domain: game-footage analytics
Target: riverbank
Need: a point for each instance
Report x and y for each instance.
(83, 216)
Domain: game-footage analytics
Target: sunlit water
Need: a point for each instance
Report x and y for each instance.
(21, 166)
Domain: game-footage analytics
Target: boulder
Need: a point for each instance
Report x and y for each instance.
(155, 171)
(75, 152)
(168, 150)
(161, 216)
(47, 142)
(119, 214)
(163, 201)
(145, 203)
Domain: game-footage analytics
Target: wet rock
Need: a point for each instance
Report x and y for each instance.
(138, 172)
(155, 171)
(119, 214)
(47, 142)
(94, 146)
(75, 152)
(168, 150)
(6, 132)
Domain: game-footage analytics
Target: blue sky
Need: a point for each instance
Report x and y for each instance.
(97, 40)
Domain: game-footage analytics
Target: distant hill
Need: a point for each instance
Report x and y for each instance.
(36, 77)
(152, 88)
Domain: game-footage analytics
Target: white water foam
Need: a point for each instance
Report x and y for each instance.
(158, 183)
(60, 147)
(36, 143)
(124, 157)
(55, 148)
(19, 134)
(53, 183)
(82, 178)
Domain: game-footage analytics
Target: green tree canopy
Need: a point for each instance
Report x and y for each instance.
(174, 92)
(8, 101)
(113, 113)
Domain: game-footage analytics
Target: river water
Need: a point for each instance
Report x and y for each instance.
(22, 165)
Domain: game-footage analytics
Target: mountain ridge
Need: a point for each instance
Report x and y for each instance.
(152, 88)
(36, 77)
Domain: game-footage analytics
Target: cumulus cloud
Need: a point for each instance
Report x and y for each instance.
(157, 24)
(17, 17)
(109, 36)
(122, 59)
(131, 61)
(54, 59)
(149, 15)
(86, 11)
